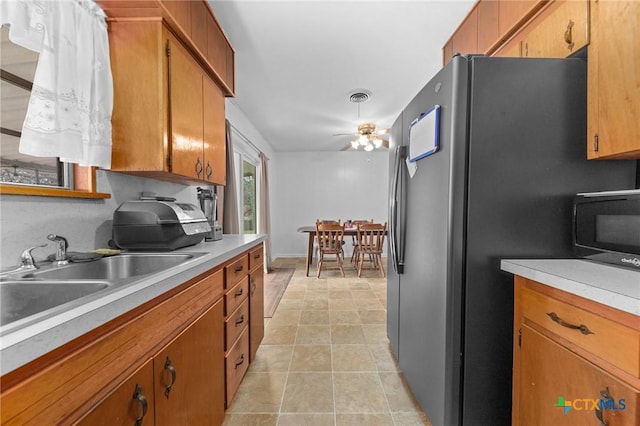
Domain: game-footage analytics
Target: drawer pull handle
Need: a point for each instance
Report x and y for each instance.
(598, 412)
(583, 328)
(240, 320)
(568, 35)
(172, 371)
(253, 285)
(604, 393)
(238, 293)
(240, 361)
(239, 268)
(139, 396)
(256, 256)
(209, 171)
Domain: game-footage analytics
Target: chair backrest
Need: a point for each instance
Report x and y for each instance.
(329, 236)
(328, 221)
(371, 237)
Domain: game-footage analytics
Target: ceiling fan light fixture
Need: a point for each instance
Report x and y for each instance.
(377, 142)
(368, 147)
(363, 139)
(355, 144)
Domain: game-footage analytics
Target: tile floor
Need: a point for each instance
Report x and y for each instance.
(325, 358)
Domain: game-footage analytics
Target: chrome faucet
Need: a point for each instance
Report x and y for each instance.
(61, 249)
(26, 259)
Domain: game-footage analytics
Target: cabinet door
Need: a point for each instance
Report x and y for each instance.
(186, 104)
(613, 92)
(557, 387)
(215, 149)
(465, 39)
(487, 24)
(189, 374)
(559, 30)
(130, 404)
(256, 305)
(512, 12)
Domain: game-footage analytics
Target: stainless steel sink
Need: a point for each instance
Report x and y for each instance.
(27, 293)
(114, 269)
(21, 299)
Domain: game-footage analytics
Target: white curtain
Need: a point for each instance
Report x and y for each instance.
(69, 113)
(264, 224)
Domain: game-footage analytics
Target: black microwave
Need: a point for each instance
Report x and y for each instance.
(606, 227)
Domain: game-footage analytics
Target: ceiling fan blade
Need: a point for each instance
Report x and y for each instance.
(385, 143)
(383, 131)
(345, 134)
(346, 147)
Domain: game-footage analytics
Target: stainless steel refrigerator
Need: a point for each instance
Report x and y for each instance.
(511, 158)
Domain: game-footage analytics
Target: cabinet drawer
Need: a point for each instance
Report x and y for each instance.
(235, 296)
(236, 364)
(236, 270)
(256, 257)
(236, 323)
(606, 339)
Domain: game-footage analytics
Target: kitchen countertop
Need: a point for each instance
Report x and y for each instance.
(609, 285)
(20, 345)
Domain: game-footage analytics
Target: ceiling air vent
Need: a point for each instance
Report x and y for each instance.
(359, 96)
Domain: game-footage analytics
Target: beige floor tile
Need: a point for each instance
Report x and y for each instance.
(344, 317)
(313, 334)
(314, 317)
(279, 335)
(359, 393)
(286, 317)
(259, 393)
(398, 396)
(316, 304)
(250, 420)
(369, 304)
(339, 294)
(315, 419)
(316, 295)
(364, 419)
(347, 334)
(308, 393)
(311, 358)
(352, 358)
(373, 317)
(294, 293)
(272, 358)
(363, 294)
(286, 304)
(342, 304)
(375, 333)
(383, 357)
(359, 284)
(411, 419)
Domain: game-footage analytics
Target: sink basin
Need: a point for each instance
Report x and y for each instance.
(20, 299)
(116, 268)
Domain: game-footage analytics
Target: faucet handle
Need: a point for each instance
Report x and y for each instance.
(26, 258)
(58, 238)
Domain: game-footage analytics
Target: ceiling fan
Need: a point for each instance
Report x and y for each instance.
(367, 137)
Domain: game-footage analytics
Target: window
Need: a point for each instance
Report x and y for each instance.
(249, 180)
(22, 174)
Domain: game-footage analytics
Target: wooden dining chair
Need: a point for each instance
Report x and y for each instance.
(354, 240)
(329, 238)
(370, 245)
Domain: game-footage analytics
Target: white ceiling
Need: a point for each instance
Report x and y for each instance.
(297, 62)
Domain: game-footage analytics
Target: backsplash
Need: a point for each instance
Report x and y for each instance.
(25, 221)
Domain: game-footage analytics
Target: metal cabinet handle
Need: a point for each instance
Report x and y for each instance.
(172, 371)
(240, 320)
(239, 362)
(209, 170)
(239, 268)
(199, 166)
(582, 328)
(238, 293)
(253, 285)
(142, 400)
(568, 35)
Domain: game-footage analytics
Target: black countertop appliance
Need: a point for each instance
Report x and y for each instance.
(158, 225)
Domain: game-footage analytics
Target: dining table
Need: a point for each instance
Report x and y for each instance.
(311, 231)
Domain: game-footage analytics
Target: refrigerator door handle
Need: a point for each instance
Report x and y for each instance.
(394, 225)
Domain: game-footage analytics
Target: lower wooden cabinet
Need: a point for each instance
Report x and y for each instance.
(256, 305)
(164, 363)
(132, 403)
(576, 362)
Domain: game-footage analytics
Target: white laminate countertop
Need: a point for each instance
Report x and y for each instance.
(610, 285)
(24, 341)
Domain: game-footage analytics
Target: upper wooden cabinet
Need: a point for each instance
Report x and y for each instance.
(168, 114)
(194, 24)
(613, 87)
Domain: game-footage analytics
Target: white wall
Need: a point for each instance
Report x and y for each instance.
(326, 185)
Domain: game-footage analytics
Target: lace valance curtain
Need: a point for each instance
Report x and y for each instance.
(69, 113)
